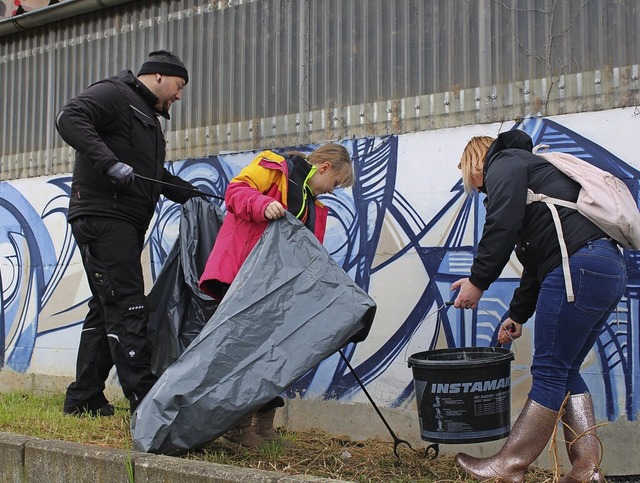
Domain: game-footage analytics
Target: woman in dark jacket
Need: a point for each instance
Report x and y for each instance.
(564, 332)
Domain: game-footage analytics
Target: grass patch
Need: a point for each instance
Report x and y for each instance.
(314, 453)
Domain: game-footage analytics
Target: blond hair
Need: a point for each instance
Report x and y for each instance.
(472, 160)
(335, 154)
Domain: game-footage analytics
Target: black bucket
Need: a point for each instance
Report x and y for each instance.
(463, 394)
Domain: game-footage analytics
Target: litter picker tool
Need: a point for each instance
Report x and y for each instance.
(396, 441)
(184, 188)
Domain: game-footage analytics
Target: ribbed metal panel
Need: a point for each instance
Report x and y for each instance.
(267, 73)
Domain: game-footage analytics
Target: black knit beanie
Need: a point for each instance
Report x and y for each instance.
(165, 63)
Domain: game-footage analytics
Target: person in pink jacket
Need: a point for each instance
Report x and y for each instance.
(265, 190)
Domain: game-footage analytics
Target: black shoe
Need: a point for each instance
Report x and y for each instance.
(104, 411)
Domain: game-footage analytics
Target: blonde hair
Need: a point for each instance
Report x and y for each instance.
(472, 160)
(335, 154)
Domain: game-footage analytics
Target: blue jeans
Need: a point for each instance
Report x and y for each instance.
(565, 332)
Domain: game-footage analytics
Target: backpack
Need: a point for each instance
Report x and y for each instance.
(603, 199)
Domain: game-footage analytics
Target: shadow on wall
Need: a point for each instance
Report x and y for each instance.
(10, 8)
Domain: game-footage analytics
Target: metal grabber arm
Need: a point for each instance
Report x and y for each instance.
(396, 441)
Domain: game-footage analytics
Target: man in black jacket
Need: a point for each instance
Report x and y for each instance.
(114, 128)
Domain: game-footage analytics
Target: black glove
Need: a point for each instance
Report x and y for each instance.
(121, 174)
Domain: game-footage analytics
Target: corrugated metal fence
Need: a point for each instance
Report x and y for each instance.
(269, 73)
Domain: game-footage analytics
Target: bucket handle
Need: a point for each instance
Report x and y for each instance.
(437, 310)
(438, 322)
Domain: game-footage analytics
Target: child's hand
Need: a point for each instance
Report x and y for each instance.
(274, 211)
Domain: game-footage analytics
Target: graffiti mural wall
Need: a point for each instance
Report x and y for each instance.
(404, 232)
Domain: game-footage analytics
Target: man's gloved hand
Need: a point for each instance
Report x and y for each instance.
(121, 174)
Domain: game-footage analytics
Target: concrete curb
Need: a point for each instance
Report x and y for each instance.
(27, 459)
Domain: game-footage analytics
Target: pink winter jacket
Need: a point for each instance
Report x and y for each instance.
(265, 179)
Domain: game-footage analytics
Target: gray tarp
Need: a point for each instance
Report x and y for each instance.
(289, 308)
(178, 310)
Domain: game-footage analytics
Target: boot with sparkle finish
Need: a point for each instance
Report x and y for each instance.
(527, 439)
(582, 443)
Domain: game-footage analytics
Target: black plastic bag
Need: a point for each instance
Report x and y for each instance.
(289, 308)
(178, 309)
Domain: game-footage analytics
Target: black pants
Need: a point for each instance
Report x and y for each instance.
(114, 330)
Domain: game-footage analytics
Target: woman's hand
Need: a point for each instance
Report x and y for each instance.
(274, 211)
(509, 331)
(469, 294)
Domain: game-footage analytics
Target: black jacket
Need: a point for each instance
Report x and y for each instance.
(115, 120)
(509, 169)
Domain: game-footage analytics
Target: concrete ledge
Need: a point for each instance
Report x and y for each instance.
(51, 460)
(24, 459)
(177, 470)
(12, 457)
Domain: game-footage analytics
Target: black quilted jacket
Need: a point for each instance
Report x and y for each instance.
(509, 169)
(114, 120)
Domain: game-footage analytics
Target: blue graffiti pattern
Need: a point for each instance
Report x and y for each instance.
(33, 265)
